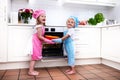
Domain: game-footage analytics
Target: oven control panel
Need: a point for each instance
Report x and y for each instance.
(54, 29)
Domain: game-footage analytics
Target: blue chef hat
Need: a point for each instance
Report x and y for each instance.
(76, 20)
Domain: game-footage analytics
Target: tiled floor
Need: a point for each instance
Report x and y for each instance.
(84, 72)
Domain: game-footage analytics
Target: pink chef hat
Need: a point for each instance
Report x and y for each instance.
(37, 13)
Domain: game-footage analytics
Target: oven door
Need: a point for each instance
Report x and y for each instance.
(53, 50)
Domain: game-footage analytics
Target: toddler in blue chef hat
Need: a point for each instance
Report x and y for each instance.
(68, 40)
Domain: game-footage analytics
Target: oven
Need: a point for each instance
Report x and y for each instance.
(53, 50)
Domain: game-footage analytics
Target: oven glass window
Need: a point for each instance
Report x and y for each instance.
(53, 50)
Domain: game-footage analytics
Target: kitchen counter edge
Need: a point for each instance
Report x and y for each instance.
(31, 25)
(80, 26)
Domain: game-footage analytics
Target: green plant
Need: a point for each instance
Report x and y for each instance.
(97, 19)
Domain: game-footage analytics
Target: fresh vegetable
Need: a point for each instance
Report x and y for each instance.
(83, 23)
(92, 21)
(51, 37)
(97, 19)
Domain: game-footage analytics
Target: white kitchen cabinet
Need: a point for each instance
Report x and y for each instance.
(111, 43)
(18, 37)
(87, 42)
(3, 31)
(110, 3)
(84, 2)
(79, 1)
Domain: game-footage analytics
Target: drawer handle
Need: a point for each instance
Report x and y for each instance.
(76, 38)
(76, 51)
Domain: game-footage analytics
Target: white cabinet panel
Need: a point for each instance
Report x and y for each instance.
(111, 43)
(107, 1)
(1, 10)
(80, 0)
(3, 32)
(93, 2)
(18, 37)
(3, 43)
(87, 42)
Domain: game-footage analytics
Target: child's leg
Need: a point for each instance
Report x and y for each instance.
(71, 62)
(69, 47)
(72, 70)
(69, 69)
(31, 69)
(32, 64)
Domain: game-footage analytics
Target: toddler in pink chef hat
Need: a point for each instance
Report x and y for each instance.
(37, 40)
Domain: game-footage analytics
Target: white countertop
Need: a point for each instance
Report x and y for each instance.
(80, 26)
(20, 24)
(31, 25)
(99, 26)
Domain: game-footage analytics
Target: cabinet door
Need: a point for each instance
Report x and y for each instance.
(18, 37)
(87, 42)
(111, 43)
(87, 0)
(3, 42)
(107, 1)
(80, 0)
(3, 32)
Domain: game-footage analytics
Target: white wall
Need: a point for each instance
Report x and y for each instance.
(57, 13)
(114, 13)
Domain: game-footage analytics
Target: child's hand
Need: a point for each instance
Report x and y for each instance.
(49, 41)
(59, 40)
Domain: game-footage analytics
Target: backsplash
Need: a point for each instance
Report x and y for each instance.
(56, 13)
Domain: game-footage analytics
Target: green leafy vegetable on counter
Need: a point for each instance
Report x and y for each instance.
(92, 21)
(98, 18)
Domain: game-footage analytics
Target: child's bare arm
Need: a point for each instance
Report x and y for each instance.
(59, 40)
(65, 37)
(41, 37)
(39, 32)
